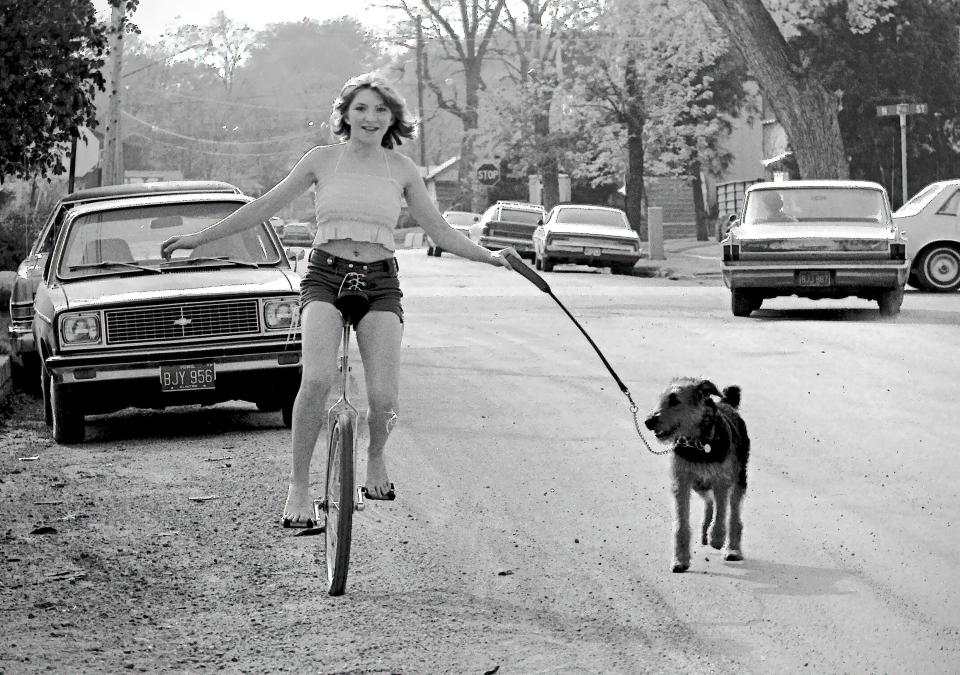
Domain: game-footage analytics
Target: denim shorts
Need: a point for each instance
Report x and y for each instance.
(325, 274)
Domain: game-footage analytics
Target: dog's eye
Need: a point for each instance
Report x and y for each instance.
(673, 400)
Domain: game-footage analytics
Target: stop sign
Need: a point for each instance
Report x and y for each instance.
(488, 173)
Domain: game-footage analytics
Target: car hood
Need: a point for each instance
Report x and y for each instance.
(187, 285)
(591, 230)
(817, 231)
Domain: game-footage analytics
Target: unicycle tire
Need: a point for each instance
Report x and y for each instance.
(339, 503)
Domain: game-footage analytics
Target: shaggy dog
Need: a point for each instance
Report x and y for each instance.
(710, 453)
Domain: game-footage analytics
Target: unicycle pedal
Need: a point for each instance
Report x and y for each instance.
(389, 497)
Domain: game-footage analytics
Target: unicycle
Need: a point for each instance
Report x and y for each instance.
(341, 495)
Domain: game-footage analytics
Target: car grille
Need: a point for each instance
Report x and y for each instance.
(182, 322)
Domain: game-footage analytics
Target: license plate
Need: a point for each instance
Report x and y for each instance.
(591, 251)
(814, 278)
(188, 377)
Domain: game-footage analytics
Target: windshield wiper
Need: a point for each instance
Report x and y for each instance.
(114, 263)
(218, 258)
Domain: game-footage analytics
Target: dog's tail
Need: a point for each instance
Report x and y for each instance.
(731, 396)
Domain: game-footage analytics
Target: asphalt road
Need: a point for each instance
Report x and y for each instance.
(532, 529)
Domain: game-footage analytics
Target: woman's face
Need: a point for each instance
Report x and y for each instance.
(368, 117)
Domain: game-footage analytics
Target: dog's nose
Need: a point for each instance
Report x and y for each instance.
(651, 422)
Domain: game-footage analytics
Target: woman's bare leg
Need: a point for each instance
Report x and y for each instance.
(379, 335)
(322, 332)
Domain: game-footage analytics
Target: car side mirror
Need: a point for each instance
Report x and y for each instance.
(540, 221)
(295, 254)
(476, 219)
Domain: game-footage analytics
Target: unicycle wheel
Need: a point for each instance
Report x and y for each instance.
(339, 503)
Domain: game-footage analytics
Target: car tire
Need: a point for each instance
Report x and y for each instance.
(743, 303)
(621, 269)
(546, 264)
(67, 421)
(437, 251)
(26, 376)
(268, 405)
(890, 302)
(45, 382)
(938, 269)
(286, 412)
(429, 251)
(537, 263)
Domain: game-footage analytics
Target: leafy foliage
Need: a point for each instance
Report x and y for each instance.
(53, 51)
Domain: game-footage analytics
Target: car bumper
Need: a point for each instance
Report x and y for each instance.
(596, 257)
(494, 242)
(833, 280)
(109, 382)
(21, 340)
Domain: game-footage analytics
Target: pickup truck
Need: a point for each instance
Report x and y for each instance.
(507, 223)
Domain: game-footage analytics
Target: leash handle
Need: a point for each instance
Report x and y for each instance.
(519, 266)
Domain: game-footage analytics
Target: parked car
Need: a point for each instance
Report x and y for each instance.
(458, 220)
(599, 236)
(30, 269)
(298, 234)
(815, 239)
(508, 223)
(118, 326)
(931, 223)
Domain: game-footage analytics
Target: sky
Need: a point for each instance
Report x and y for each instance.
(155, 17)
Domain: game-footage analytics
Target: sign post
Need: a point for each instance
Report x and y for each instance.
(902, 109)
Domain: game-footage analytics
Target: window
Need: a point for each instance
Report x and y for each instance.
(952, 206)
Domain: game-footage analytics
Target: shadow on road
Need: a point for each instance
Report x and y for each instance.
(786, 579)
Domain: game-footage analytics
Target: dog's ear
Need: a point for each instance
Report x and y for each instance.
(707, 388)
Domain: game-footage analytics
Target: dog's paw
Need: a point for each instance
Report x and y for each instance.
(680, 567)
(716, 542)
(733, 555)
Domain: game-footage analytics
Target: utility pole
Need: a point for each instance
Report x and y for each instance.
(421, 58)
(113, 147)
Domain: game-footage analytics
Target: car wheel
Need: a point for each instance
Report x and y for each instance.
(430, 251)
(890, 302)
(26, 375)
(546, 264)
(45, 392)
(743, 303)
(68, 422)
(437, 251)
(269, 405)
(537, 263)
(939, 269)
(621, 269)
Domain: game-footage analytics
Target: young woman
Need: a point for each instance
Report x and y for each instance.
(359, 184)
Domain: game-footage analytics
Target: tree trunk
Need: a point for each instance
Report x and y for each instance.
(807, 112)
(635, 120)
(547, 164)
(698, 205)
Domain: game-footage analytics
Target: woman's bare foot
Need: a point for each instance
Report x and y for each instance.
(378, 484)
(298, 511)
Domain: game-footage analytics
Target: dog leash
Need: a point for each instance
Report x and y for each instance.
(519, 266)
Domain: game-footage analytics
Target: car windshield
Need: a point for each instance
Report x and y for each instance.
(521, 216)
(812, 205)
(919, 201)
(591, 217)
(127, 240)
(297, 234)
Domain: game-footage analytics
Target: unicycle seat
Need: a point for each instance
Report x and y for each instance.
(352, 299)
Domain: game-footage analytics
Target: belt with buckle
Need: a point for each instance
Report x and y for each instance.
(343, 265)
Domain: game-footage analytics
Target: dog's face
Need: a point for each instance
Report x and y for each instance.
(682, 407)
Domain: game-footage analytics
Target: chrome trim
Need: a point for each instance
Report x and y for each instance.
(118, 372)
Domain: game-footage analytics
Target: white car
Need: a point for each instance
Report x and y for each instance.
(931, 223)
(814, 239)
(458, 220)
(599, 236)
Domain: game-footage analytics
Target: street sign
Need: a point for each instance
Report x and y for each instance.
(488, 173)
(902, 109)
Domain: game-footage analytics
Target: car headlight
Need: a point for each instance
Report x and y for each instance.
(281, 314)
(80, 329)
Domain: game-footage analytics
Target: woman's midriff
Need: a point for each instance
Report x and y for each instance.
(361, 251)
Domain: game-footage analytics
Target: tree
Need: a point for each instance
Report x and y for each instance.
(462, 29)
(807, 111)
(910, 57)
(53, 52)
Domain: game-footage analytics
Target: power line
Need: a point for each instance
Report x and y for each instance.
(155, 128)
(218, 153)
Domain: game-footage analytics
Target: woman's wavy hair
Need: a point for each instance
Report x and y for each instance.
(404, 125)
